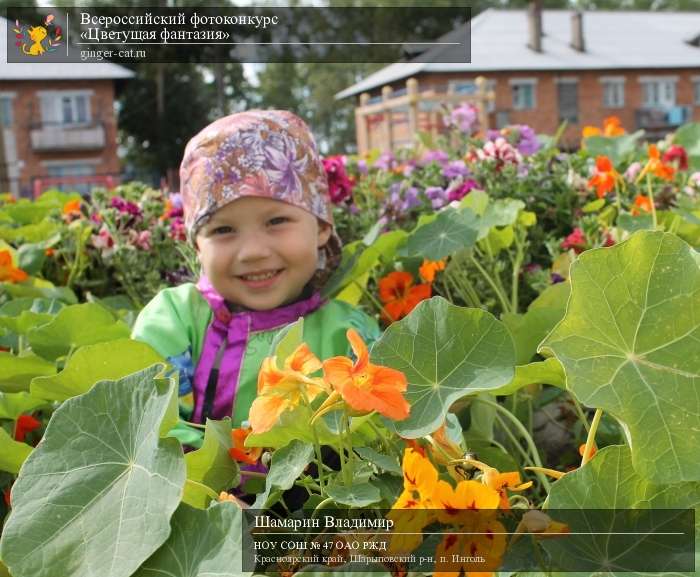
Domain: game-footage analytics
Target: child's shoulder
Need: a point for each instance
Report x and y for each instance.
(183, 301)
(342, 314)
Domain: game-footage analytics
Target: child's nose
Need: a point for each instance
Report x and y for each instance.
(253, 247)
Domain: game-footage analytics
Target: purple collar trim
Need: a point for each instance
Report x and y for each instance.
(232, 330)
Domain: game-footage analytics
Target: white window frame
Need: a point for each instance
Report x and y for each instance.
(613, 91)
(696, 89)
(7, 118)
(662, 90)
(517, 101)
(568, 80)
(457, 87)
(52, 110)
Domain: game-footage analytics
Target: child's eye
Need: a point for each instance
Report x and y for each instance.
(278, 220)
(221, 230)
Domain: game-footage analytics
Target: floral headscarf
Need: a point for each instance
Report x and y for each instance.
(267, 153)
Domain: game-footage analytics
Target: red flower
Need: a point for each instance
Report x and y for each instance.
(339, 183)
(25, 424)
(576, 240)
(676, 154)
(605, 176)
(399, 296)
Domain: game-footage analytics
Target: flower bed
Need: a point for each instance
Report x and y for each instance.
(540, 351)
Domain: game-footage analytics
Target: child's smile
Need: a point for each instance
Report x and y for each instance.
(259, 252)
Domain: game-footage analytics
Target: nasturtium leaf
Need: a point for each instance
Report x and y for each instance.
(451, 231)
(26, 212)
(287, 340)
(93, 363)
(688, 136)
(76, 326)
(16, 372)
(633, 223)
(529, 330)
(39, 288)
(547, 372)
(96, 496)
(446, 352)
(12, 453)
(187, 435)
(616, 148)
(609, 481)
(211, 465)
(477, 201)
(357, 495)
(30, 232)
(22, 314)
(292, 425)
(499, 239)
(352, 294)
(482, 418)
(287, 464)
(202, 544)
(380, 460)
(12, 405)
(629, 345)
(554, 296)
(502, 212)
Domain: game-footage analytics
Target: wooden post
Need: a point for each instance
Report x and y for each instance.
(361, 128)
(412, 91)
(484, 96)
(388, 118)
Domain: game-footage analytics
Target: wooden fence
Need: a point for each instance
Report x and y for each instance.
(394, 121)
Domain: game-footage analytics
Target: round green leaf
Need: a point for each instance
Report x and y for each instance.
(90, 364)
(446, 352)
(358, 495)
(17, 372)
(96, 495)
(451, 231)
(211, 465)
(629, 345)
(12, 405)
(12, 453)
(547, 372)
(76, 326)
(202, 544)
(287, 464)
(609, 481)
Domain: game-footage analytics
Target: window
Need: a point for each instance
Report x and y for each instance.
(469, 87)
(5, 111)
(614, 93)
(568, 101)
(72, 169)
(696, 91)
(658, 93)
(65, 107)
(523, 94)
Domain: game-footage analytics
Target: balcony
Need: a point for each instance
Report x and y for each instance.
(660, 121)
(63, 137)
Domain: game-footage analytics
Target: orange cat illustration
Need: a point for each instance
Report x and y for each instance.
(37, 34)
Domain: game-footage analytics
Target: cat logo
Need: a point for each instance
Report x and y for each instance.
(30, 39)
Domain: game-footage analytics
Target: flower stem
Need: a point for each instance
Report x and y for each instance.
(650, 191)
(590, 441)
(523, 432)
(504, 302)
(371, 297)
(580, 413)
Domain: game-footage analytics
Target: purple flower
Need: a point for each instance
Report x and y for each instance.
(362, 166)
(354, 209)
(461, 190)
(557, 278)
(437, 196)
(523, 170)
(454, 169)
(385, 162)
(124, 206)
(528, 142)
(284, 169)
(410, 199)
(463, 117)
(439, 156)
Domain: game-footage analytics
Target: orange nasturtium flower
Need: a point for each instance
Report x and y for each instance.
(499, 482)
(282, 389)
(656, 166)
(611, 127)
(25, 424)
(239, 452)
(414, 509)
(8, 271)
(399, 296)
(429, 269)
(641, 203)
(72, 208)
(605, 176)
(364, 386)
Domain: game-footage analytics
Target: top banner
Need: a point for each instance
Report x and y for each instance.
(244, 34)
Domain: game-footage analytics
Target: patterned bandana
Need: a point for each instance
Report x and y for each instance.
(267, 153)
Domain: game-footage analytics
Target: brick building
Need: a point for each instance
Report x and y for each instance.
(58, 124)
(548, 66)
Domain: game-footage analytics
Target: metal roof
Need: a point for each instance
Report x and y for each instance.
(613, 40)
(55, 70)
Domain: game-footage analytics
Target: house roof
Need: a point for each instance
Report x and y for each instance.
(613, 40)
(55, 70)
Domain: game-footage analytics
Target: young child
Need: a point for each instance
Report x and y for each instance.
(255, 198)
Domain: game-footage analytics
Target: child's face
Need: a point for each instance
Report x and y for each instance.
(259, 252)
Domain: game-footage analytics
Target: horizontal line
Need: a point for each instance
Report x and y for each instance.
(271, 43)
(448, 533)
